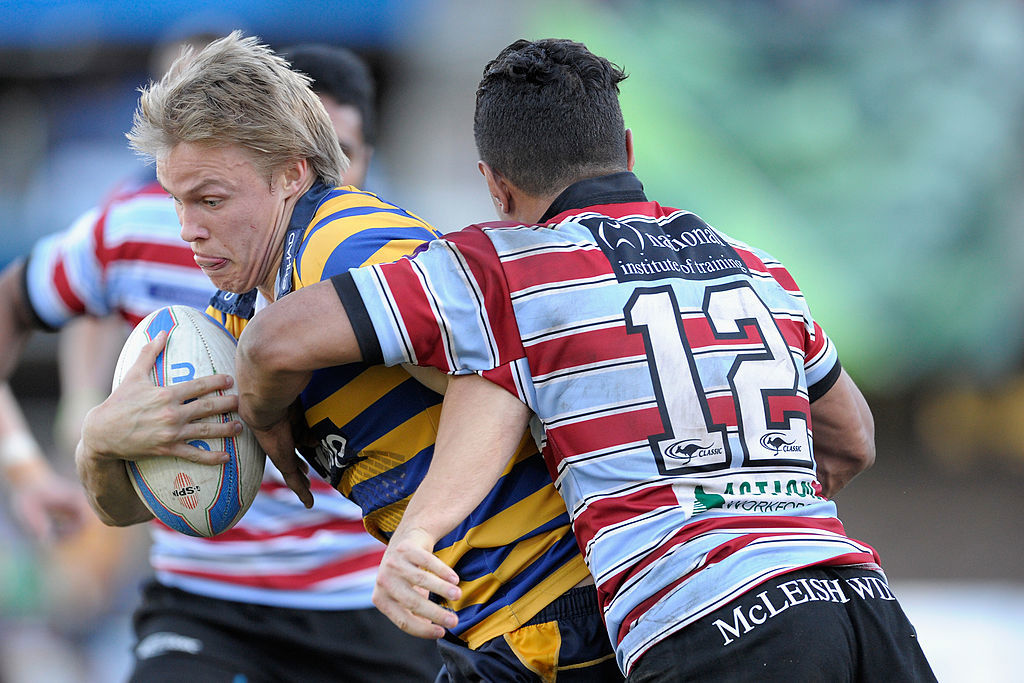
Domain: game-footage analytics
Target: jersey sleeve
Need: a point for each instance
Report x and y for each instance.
(821, 364)
(821, 359)
(447, 307)
(64, 276)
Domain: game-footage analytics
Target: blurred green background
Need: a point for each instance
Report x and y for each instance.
(873, 147)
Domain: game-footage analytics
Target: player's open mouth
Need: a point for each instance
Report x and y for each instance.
(207, 263)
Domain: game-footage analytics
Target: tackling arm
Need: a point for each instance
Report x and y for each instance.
(844, 435)
(480, 428)
(277, 353)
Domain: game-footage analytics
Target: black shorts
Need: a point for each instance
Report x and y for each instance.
(827, 624)
(185, 637)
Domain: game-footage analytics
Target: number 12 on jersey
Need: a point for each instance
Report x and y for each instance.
(758, 402)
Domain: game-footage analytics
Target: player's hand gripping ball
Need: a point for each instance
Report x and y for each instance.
(195, 499)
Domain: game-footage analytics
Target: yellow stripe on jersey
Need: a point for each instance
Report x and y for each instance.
(392, 252)
(233, 323)
(351, 215)
(371, 385)
(418, 429)
(481, 590)
(494, 531)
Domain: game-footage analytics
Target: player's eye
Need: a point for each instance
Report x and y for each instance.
(212, 203)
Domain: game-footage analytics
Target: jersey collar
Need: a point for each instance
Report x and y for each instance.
(302, 215)
(616, 188)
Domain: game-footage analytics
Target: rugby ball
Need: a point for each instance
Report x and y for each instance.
(195, 499)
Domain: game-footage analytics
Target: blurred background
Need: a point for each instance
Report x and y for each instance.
(875, 147)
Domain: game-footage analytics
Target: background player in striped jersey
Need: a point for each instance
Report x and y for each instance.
(258, 198)
(673, 374)
(284, 574)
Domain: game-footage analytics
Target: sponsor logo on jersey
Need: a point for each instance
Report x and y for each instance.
(801, 488)
(685, 451)
(776, 443)
(332, 453)
(284, 274)
(704, 501)
(615, 235)
(645, 249)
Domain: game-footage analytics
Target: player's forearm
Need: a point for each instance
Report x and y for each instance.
(20, 454)
(844, 435)
(17, 446)
(265, 390)
(480, 428)
(102, 470)
(283, 344)
(16, 323)
(108, 489)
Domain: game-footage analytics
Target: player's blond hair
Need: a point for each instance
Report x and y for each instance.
(237, 91)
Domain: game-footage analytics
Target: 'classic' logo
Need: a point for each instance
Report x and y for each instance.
(685, 451)
(776, 443)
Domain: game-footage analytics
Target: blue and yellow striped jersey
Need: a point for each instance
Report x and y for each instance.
(375, 429)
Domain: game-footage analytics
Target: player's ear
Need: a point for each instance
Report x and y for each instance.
(501, 194)
(630, 159)
(293, 176)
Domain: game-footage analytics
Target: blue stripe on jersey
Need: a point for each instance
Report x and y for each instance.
(186, 295)
(557, 556)
(358, 249)
(325, 382)
(480, 562)
(400, 404)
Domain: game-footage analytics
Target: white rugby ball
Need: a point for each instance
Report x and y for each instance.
(195, 499)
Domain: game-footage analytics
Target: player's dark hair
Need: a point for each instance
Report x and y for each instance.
(547, 115)
(341, 74)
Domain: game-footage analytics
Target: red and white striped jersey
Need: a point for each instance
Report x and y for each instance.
(671, 370)
(127, 257)
(124, 257)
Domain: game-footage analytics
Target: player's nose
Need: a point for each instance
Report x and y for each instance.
(191, 227)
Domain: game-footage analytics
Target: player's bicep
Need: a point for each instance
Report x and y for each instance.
(843, 432)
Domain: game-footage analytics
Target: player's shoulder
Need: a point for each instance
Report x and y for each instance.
(350, 202)
(143, 212)
(506, 236)
(145, 192)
